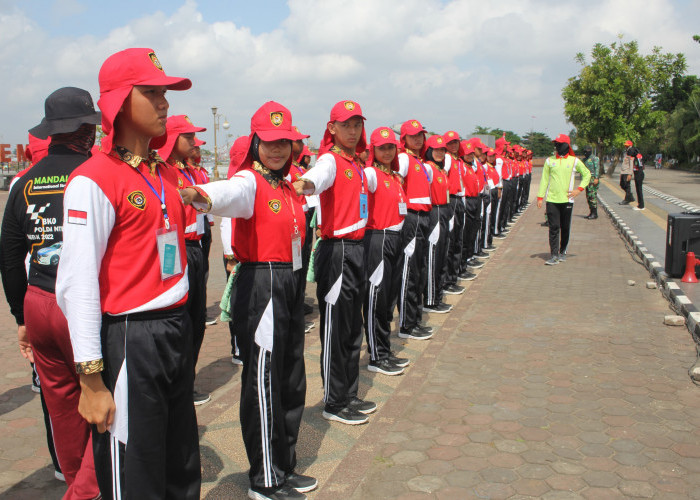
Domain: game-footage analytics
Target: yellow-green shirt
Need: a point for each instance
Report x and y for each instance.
(558, 178)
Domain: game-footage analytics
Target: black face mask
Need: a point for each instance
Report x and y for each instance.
(561, 148)
(587, 153)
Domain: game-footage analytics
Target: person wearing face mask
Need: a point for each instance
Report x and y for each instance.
(626, 175)
(593, 165)
(266, 299)
(557, 184)
(633, 159)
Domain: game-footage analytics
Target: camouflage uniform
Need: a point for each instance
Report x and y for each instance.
(593, 165)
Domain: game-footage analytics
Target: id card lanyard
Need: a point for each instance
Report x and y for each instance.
(296, 237)
(403, 208)
(364, 212)
(166, 238)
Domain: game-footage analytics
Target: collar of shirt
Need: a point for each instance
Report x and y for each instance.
(135, 160)
(335, 149)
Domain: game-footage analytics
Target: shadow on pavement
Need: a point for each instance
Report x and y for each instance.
(40, 484)
(232, 486)
(216, 374)
(14, 398)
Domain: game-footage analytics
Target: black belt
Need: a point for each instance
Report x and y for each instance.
(144, 315)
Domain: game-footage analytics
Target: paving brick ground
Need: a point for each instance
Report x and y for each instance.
(574, 389)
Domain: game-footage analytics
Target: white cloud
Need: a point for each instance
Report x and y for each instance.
(451, 64)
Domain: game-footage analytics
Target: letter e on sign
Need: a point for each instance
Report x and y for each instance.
(5, 153)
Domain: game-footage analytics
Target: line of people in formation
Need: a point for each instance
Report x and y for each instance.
(115, 327)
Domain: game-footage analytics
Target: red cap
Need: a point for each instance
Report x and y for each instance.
(176, 125)
(436, 142)
(467, 147)
(199, 142)
(304, 152)
(271, 122)
(412, 127)
(451, 135)
(237, 154)
(342, 112)
(381, 136)
(629, 143)
(491, 152)
(119, 74)
(562, 138)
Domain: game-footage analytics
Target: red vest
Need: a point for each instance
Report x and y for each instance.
(384, 202)
(454, 177)
(480, 175)
(471, 182)
(184, 178)
(340, 203)
(439, 189)
(493, 174)
(130, 270)
(417, 185)
(295, 172)
(267, 235)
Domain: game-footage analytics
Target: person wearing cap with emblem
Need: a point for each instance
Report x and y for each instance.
(486, 185)
(179, 146)
(454, 167)
(69, 125)
(266, 300)
(122, 285)
(557, 185)
(339, 178)
(472, 213)
(383, 250)
(438, 227)
(504, 168)
(493, 167)
(417, 178)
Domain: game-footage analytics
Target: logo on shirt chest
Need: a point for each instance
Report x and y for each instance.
(440, 180)
(348, 173)
(137, 199)
(275, 206)
(387, 184)
(417, 167)
(180, 183)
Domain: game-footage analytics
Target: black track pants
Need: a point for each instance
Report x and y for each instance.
(152, 450)
(472, 215)
(437, 245)
(414, 275)
(340, 282)
(197, 295)
(383, 262)
(559, 218)
(456, 241)
(268, 320)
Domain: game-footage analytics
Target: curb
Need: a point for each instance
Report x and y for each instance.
(669, 286)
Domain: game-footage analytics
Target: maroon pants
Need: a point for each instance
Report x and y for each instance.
(53, 357)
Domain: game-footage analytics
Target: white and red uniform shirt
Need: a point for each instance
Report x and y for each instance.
(472, 187)
(109, 261)
(455, 175)
(439, 189)
(385, 196)
(194, 221)
(339, 180)
(295, 173)
(417, 179)
(492, 175)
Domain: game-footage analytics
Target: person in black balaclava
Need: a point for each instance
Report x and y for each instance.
(593, 165)
(634, 157)
(626, 175)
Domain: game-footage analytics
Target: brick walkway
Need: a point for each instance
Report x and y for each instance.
(576, 389)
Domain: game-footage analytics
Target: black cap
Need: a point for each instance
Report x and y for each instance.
(65, 111)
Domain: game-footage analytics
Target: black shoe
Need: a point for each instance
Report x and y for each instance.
(308, 326)
(625, 202)
(438, 309)
(424, 328)
(414, 334)
(200, 398)
(454, 290)
(300, 482)
(475, 263)
(362, 406)
(499, 236)
(286, 492)
(544, 224)
(345, 416)
(467, 276)
(400, 362)
(385, 367)
(308, 309)
(482, 254)
(489, 248)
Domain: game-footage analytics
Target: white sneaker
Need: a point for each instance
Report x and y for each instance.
(637, 208)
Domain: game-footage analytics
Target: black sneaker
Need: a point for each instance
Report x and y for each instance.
(200, 398)
(308, 309)
(400, 362)
(467, 276)
(489, 248)
(286, 492)
(475, 263)
(624, 202)
(345, 416)
(308, 326)
(300, 482)
(441, 308)
(424, 328)
(364, 407)
(414, 333)
(482, 254)
(454, 290)
(385, 367)
(499, 236)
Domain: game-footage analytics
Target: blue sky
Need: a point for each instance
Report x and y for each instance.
(453, 64)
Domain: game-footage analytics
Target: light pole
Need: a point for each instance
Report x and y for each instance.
(226, 125)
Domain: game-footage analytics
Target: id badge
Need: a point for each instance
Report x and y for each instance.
(402, 208)
(363, 206)
(168, 252)
(296, 252)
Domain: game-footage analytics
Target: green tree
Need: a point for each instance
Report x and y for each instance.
(680, 135)
(612, 98)
(539, 143)
(479, 130)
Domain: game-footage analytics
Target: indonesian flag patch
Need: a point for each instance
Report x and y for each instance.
(77, 217)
